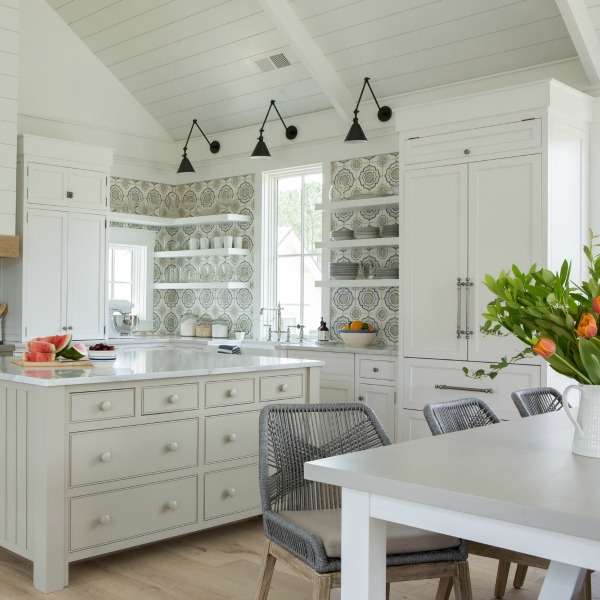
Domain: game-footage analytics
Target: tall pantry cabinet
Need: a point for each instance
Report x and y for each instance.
(489, 180)
(59, 285)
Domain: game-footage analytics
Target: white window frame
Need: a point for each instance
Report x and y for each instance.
(269, 227)
(141, 241)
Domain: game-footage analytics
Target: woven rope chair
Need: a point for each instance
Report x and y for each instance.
(537, 401)
(457, 415)
(302, 518)
(531, 402)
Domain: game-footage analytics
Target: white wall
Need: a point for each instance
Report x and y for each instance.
(9, 75)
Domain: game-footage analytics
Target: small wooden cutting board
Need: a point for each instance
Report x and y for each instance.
(84, 362)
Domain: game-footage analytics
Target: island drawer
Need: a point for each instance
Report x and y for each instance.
(226, 392)
(231, 491)
(281, 387)
(231, 436)
(371, 368)
(118, 515)
(96, 406)
(169, 398)
(109, 454)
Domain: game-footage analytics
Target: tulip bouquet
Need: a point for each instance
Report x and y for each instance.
(554, 317)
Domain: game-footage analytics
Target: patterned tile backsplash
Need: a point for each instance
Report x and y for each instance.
(233, 195)
(377, 176)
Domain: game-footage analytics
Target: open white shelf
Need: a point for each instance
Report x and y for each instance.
(376, 202)
(372, 243)
(195, 285)
(177, 222)
(364, 283)
(208, 252)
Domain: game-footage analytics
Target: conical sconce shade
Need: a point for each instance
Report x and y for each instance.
(260, 150)
(356, 135)
(185, 166)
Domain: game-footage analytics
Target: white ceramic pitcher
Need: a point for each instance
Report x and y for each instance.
(586, 440)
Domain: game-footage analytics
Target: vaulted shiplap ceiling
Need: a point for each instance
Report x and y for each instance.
(186, 59)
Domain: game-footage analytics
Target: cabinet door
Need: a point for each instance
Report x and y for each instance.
(435, 256)
(88, 189)
(47, 184)
(505, 223)
(413, 426)
(382, 399)
(336, 390)
(86, 276)
(45, 294)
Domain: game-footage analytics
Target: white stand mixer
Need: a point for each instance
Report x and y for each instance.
(121, 323)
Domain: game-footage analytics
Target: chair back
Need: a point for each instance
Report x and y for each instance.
(292, 434)
(456, 415)
(537, 401)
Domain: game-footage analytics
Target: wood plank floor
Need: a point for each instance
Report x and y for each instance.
(220, 564)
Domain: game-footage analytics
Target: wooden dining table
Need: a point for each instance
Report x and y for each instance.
(514, 485)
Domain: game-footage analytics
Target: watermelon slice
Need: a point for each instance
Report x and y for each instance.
(40, 347)
(60, 341)
(38, 356)
(75, 352)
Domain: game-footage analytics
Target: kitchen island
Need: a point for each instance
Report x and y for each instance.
(163, 444)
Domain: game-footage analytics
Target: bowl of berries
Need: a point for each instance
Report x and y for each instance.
(102, 354)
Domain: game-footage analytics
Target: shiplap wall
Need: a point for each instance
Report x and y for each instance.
(9, 73)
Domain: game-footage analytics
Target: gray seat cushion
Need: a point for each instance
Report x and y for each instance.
(401, 539)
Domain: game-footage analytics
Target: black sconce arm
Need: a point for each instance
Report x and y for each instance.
(214, 145)
(384, 113)
(290, 132)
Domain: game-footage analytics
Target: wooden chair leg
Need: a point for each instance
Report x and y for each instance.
(586, 589)
(266, 572)
(322, 587)
(462, 582)
(387, 590)
(444, 589)
(501, 578)
(520, 575)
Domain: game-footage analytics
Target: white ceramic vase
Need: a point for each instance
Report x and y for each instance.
(586, 440)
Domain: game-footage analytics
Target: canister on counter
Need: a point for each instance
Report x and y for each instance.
(187, 326)
(220, 328)
(204, 327)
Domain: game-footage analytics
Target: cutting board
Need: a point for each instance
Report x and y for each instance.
(84, 362)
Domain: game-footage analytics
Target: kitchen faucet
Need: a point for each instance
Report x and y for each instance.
(279, 329)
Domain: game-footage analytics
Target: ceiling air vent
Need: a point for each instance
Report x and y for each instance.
(270, 63)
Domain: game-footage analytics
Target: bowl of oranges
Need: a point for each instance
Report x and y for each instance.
(357, 334)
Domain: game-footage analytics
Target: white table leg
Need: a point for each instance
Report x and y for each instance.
(562, 581)
(363, 549)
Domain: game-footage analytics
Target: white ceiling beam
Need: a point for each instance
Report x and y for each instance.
(579, 25)
(296, 35)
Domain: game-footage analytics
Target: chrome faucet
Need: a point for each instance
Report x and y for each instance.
(278, 310)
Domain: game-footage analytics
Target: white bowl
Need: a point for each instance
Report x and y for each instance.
(358, 338)
(102, 357)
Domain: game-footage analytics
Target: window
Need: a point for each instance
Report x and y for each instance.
(130, 270)
(291, 263)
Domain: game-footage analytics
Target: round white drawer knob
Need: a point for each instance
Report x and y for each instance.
(172, 505)
(106, 405)
(231, 492)
(106, 457)
(173, 399)
(232, 393)
(173, 446)
(283, 387)
(104, 519)
(232, 437)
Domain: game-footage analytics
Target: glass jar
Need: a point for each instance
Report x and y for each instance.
(187, 325)
(220, 328)
(204, 327)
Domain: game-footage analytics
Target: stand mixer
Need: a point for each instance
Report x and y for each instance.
(121, 322)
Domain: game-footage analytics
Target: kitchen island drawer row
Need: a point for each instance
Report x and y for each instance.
(108, 459)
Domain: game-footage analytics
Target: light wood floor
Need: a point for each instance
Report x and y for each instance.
(220, 564)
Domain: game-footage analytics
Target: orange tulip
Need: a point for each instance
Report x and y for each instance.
(544, 347)
(596, 305)
(587, 326)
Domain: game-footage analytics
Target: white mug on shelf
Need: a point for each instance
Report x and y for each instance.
(238, 242)
(204, 243)
(217, 242)
(228, 241)
(193, 244)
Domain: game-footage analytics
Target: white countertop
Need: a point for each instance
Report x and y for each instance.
(132, 365)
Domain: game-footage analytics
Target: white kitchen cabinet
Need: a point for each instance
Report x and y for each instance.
(56, 185)
(490, 180)
(64, 274)
(59, 283)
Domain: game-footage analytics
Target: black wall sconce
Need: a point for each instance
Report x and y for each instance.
(186, 165)
(261, 150)
(356, 134)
